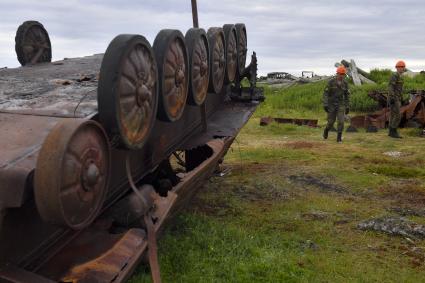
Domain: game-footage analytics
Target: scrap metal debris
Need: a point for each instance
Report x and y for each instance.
(412, 114)
(379, 96)
(395, 226)
(265, 121)
(284, 79)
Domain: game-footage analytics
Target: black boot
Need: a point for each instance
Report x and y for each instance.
(394, 133)
(339, 137)
(325, 133)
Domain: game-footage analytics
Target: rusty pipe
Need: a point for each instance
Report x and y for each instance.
(195, 14)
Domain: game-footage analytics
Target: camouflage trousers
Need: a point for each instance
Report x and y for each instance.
(395, 116)
(336, 114)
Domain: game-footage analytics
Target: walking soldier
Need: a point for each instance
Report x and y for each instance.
(336, 102)
(395, 96)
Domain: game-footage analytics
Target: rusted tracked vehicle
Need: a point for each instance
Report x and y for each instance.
(98, 152)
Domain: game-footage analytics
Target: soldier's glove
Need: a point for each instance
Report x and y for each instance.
(392, 101)
(326, 109)
(347, 110)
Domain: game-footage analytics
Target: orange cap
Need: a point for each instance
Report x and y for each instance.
(400, 64)
(341, 70)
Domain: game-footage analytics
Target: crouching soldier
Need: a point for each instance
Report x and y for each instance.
(395, 96)
(336, 102)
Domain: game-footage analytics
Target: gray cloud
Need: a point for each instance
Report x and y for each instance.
(287, 35)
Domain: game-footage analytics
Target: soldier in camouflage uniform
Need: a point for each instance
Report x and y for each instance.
(336, 102)
(395, 96)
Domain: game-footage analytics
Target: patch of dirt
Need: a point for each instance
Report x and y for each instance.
(302, 145)
(394, 226)
(344, 218)
(406, 211)
(212, 207)
(405, 194)
(251, 168)
(307, 180)
(416, 254)
(261, 191)
(315, 215)
(338, 218)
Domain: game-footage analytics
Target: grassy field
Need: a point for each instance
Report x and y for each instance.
(289, 207)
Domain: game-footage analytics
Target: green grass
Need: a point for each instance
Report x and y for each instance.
(288, 209)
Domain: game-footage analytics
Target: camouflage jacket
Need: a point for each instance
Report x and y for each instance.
(395, 86)
(336, 94)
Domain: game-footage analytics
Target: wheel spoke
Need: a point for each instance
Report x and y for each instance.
(129, 71)
(173, 50)
(144, 59)
(135, 61)
(127, 87)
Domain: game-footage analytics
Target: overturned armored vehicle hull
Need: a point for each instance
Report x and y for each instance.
(98, 152)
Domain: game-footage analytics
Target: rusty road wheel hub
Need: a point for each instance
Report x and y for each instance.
(71, 176)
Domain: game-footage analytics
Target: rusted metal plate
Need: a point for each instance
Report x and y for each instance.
(358, 121)
(22, 136)
(62, 88)
(226, 122)
(12, 274)
(101, 256)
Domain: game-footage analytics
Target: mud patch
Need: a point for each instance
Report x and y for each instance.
(315, 215)
(405, 194)
(253, 168)
(261, 191)
(301, 145)
(394, 226)
(307, 180)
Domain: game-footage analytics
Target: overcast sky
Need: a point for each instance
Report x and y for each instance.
(287, 35)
